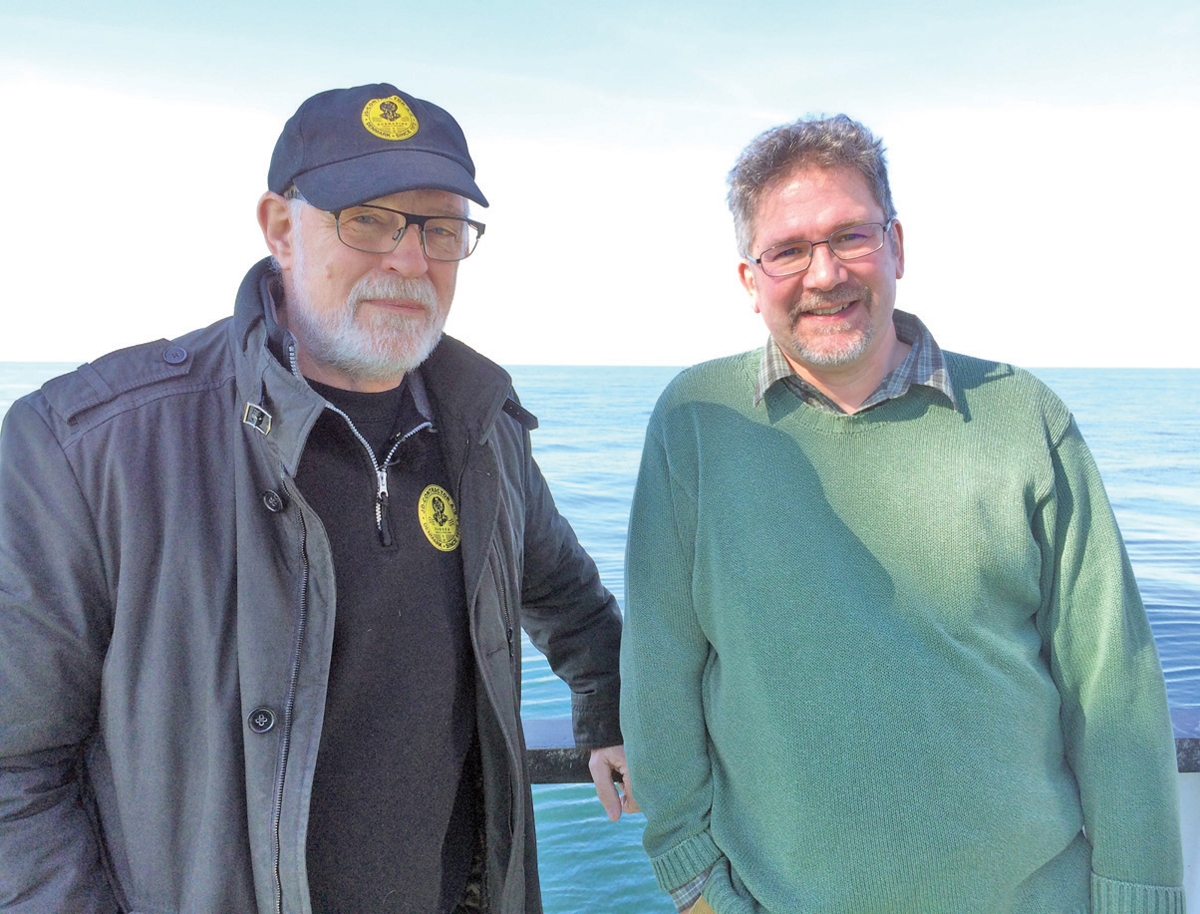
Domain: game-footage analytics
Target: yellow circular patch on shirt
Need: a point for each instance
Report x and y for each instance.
(438, 518)
(389, 118)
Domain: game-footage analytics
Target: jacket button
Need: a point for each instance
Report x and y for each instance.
(174, 355)
(273, 501)
(261, 720)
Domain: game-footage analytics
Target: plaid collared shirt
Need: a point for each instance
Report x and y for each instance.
(924, 365)
(689, 893)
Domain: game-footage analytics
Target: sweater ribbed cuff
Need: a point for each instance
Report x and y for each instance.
(1112, 897)
(685, 861)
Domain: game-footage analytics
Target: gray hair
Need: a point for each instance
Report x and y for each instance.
(833, 142)
(295, 200)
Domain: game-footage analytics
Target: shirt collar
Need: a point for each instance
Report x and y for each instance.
(925, 366)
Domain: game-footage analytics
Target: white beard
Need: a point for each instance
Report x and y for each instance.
(372, 345)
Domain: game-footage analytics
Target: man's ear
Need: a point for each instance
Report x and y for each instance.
(275, 220)
(898, 248)
(746, 275)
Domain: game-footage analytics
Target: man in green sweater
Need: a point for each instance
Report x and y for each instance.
(883, 651)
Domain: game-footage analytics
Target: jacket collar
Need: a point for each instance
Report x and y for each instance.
(467, 389)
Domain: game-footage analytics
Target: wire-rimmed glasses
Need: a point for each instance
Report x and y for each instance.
(847, 243)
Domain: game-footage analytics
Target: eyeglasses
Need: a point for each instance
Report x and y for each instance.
(378, 230)
(844, 244)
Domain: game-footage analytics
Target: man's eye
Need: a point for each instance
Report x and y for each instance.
(786, 252)
(450, 230)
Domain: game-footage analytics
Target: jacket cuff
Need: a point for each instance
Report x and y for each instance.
(1112, 897)
(685, 861)
(596, 722)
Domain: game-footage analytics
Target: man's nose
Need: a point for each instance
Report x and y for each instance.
(826, 271)
(408, 259)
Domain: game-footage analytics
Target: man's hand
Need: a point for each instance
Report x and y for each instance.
(607, 765)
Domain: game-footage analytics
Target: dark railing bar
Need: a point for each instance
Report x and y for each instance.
(1186, 722)
(551, 755)
(553, 759)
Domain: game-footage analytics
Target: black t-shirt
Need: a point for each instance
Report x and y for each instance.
(393, 818)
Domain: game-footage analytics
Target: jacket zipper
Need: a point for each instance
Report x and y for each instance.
(288, 709)
(513, 758)
(382, 521)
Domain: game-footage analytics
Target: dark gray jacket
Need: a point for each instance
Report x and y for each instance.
(166, 622)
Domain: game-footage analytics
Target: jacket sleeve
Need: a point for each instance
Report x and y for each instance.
(664, 652)
(570, 616)
(1116, 724)
(53, 628)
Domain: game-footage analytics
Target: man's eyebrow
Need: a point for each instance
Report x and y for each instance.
(845, 224)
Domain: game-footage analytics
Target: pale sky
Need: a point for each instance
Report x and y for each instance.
(1043, 161)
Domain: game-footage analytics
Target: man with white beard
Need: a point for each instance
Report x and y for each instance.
(261, 586)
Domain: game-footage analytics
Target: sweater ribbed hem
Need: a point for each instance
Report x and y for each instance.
(1112, 897)
(685, 861)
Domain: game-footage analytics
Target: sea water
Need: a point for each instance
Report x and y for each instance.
(1143, 427)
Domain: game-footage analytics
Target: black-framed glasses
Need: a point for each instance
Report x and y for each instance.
(845, 244)
(378, 230)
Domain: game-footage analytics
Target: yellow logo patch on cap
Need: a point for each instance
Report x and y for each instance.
(435, 509)
(389, 118)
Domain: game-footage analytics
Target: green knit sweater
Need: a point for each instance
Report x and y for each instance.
(894, 661)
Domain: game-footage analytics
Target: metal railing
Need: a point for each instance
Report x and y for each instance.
(553, 759)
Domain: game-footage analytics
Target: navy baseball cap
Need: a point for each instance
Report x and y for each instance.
(347, 146)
